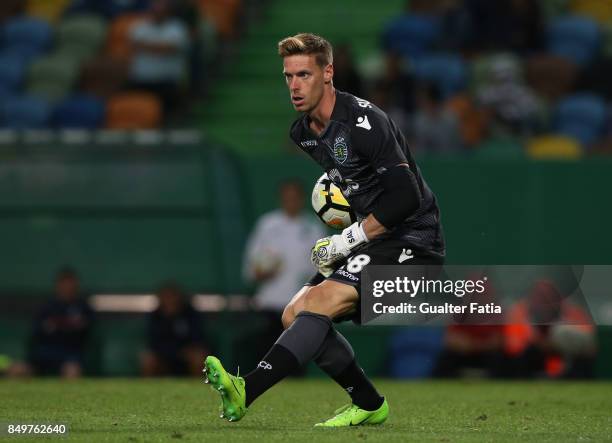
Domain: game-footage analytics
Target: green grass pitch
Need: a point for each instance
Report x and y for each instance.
(186, 410)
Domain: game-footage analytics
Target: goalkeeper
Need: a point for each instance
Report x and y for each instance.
(366, 155)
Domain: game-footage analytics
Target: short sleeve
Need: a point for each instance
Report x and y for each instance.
(376, 141)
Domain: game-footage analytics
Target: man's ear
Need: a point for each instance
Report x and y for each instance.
(328, 73)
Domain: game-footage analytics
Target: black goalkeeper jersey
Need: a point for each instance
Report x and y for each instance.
(360, 143)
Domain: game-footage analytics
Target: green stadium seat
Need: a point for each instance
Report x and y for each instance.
(52, 77)
(81, 36)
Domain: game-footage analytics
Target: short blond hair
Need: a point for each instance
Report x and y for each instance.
(307, 44)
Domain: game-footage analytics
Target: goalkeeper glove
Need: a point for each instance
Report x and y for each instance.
(330, 250)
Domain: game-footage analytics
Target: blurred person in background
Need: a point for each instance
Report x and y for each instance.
(476, 348)
(382, 96)
(512, 104)
(175, 341)
(474, 344)
(160, 53)
(60, 333)
(279, 272)
(549, 336)
(435, 129)
(346, 76)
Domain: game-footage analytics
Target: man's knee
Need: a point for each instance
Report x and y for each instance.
(331, 299)
(288, 316)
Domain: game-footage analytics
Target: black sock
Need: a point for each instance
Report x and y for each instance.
(363, 393)
(275, 366)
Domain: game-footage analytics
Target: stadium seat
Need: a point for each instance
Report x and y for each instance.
(81, 36)
(554, 8)
(79, 112)
(49, 10)
(222, 13)
(472, 121)
(107, 8)
(12, 70)
(550, 76)
(581, 116)
(553, 147)
(447, 71)
(104, 76)
(414, 352)
(25, 112)
(410, 35)
(118, 38)
(52, 77)
(599, 10)
(575, 38)
(27, 37)
(133, 110)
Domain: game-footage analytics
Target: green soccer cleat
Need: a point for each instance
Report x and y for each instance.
(351, 415)
(230, 387)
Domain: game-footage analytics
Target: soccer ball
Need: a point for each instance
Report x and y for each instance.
(330, 205)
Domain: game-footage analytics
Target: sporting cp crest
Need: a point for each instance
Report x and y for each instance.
(340, 150)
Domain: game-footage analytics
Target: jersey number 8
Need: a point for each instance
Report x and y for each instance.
(356, 264)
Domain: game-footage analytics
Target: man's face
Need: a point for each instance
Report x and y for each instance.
(305, 80)
(292, 199)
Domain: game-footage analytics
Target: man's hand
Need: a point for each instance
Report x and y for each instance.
(330, 250)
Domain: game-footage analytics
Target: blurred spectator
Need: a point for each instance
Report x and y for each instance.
(471, 347)
(160, 46)
(346, 77)
(399, 83)
(512, 104)
(382, 96)
(277, 256)
(175, 342)
(475, 341)
(547, 335)
(61, 332)
(435, 128)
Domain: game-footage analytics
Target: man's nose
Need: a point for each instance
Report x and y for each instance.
(294, 84)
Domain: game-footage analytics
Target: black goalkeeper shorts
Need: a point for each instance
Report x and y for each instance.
(384, 252)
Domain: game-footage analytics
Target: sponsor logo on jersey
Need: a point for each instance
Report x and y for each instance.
(308, 143)
(340, 150)
(405, 255)
(347, 274)
(362, 122)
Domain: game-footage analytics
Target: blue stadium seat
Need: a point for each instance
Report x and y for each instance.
(447, 71)
(27, 37)
(575, 38)
(581, 116)
(414, 351)
(410, 35)
(79, 112)
(25, 112)
(108, 8)
(12, 70)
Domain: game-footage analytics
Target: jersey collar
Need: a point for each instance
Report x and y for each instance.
(339, 114)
